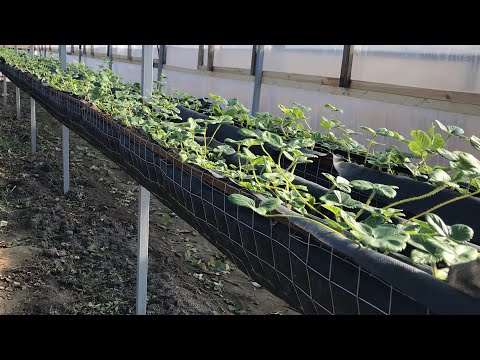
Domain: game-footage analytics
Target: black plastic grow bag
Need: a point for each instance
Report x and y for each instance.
(314, 270)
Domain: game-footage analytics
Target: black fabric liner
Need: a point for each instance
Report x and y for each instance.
(311, 268)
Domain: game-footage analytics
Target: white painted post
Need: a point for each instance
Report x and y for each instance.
(144, 198)
(33, 118)
(4, 94)
(62, 49)
(17, 94)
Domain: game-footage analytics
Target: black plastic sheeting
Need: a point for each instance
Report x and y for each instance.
(314, 270)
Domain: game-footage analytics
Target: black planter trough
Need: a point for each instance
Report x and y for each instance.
(315, 271)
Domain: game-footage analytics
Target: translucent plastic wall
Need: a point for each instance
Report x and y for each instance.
(442, 67)
(320, 60)
(234, 56)
(185, 56)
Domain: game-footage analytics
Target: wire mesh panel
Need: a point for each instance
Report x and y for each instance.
(442, 67)
(313, 269)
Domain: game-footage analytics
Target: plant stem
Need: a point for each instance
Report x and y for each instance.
(214, 133)
(433, 192)
(369, 200)
(445, 203)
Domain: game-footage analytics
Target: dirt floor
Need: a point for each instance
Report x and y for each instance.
(76, 254)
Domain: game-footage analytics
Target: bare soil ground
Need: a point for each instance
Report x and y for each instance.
(76, 254)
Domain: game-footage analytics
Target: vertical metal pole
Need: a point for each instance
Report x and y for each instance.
(110, 56)
(258, 79)
(33, 118)
(144, 197)
(44, 50)
(161, 52)
(201, 52)
(17, 93)
(4, 88)
(346, 69)
(210, 57)
(129, 52)
(79, 53)
(62, 49)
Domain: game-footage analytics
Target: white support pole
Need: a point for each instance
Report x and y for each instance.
(4, 91)
(62, 49)
(33, 118)
(17, 94)
(4, 94)
(144, 198)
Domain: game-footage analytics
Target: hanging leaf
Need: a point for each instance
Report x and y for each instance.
(439, 176)
(273, 139)
(441, 126)
(242, 200)
(437, 224)
(447, 154)
(461, 233)
(385, 190)
(269, 204)
(462, 254)
(370, 130)
(361, 184)
(247, 133)
(475, 142)
(422, 257)
(386, 238)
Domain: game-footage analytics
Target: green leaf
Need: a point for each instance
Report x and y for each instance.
(269, 204)
(333, 108)
(273, 139)
(361, 184)
(421, 143)
(385, 132)
(183, 156)
(468, 161)
(386, 238)
(242, 200)
(438, 141)
(439, 176)
(455, 130)
(340, 198)
(247, 133)
(437, 224)
(475, 142)
(422, 257)
(417, 148)
(461, 233)
(370, 130)
(441, 126)
(462, 254)
(329, 177)
(385, 190)
(447, 154)
(343, 184)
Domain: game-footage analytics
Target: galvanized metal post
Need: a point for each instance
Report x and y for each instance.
(33, 118)
(161, 52)
(258, 79)
(144, 198)
(17, 94)
(110, 56)
(4, 88)
(62, 49)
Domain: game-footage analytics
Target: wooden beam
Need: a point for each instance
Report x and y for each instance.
(201, 54)
(211, 54)
(346, 70)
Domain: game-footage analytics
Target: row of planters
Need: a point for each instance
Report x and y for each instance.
(324, 249)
